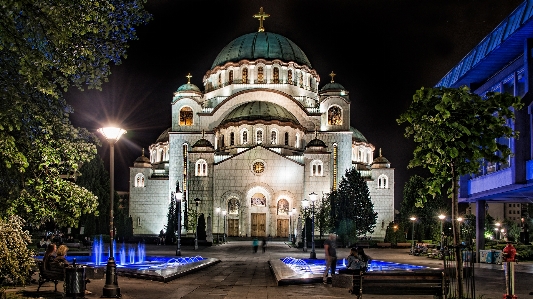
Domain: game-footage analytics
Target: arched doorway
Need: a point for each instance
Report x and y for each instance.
(258, 219)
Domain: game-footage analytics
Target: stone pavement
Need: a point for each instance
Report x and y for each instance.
(244, 274)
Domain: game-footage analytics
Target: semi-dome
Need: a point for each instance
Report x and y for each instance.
(255, 111)
(163, 137)
(264, 45)
(188, 87)
(316, 143)
(357, 136)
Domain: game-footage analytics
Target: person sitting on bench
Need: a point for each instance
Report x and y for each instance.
(355, 264)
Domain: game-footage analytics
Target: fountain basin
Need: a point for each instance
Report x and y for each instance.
(290, 270)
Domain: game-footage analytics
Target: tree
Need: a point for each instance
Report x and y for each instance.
(16, 260)
(428, 224)
(454, 130)
(45, 47)
(172, 222)
(323, 214)
(353, 210)
(94, 177)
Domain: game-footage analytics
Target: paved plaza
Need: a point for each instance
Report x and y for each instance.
(244, 274)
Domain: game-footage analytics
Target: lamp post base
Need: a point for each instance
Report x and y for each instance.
(178, 252)
(196, 244)
(312, 255)
(111, 289)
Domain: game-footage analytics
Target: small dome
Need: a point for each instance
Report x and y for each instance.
(142, 161)
(332, 86)
(264, 45)
(188, 87)
(357, 136)
(203, 143)
(380, 162)
(260, 111)
(163, 137)
(316, 143)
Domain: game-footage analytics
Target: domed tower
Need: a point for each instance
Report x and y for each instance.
(362, 151)
(382, 190)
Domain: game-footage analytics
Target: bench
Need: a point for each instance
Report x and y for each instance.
(384, 245)
(55, 274)
(73, 245)
(406, 245)
(420, 282)
(362, 244)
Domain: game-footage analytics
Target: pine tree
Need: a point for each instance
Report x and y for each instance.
(171, 226)
(353, 210)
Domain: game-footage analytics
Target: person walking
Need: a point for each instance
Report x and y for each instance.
(255, 244)
(330, 252)
(264, 244)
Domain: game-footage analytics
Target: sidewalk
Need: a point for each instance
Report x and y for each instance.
(244, 274)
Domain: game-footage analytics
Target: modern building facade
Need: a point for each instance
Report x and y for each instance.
(501, 62)
(258, 139)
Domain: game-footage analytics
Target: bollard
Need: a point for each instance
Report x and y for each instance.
(509, 257)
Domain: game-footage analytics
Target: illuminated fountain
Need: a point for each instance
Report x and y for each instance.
(132, 261)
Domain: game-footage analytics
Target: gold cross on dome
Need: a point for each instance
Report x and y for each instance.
(188, 78)
(332, 75)
(261, 16)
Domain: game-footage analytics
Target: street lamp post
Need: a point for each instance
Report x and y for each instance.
(497, 229)
(313, 197)
(413, 236)
(290, 220)
(178, 195)
(441, 217)
(218, 225)
(111, 289)
(305, 205)
(224, 234)
(460, 220)
(197, 201)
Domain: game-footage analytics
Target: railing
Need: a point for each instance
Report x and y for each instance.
(210, 88)
(365, 173)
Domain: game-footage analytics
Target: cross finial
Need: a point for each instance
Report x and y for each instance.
(261, 16)
(203, 133)
(189, 76)
(143, 151)
(380, 151)
(332, 75)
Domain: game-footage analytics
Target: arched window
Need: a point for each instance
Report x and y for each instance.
(286, 138)
(233, 206)
(259, 136)
(360, 157)
(276, 75)
(245, 76)
(160, 156)
(232, 138)
(244, 136)
(260, 75)
(230, 80)
(222, 141)
(273, 137)
(219, 80)
(383, 182)
(283, 207)
(201, 168)
(317, 168)
(289, 76)
(139, 180)
(334, 116)
(297, 142)
(186, 116)
(301, 79)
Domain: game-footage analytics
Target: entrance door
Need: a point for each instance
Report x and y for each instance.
(233, 227)
(258, 225)
(282, 228)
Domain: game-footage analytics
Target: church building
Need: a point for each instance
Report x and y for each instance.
(257, 140)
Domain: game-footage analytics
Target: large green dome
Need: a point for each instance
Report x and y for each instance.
(264, 45)
(252, 112)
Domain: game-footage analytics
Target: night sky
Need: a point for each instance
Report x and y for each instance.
(381, 50)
